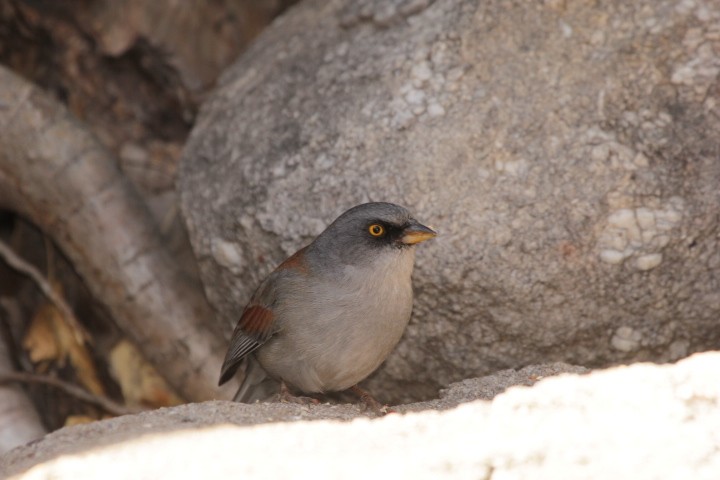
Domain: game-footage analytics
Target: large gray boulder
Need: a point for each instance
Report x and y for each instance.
(568, 152)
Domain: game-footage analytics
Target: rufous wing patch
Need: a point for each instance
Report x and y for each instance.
(256, 321)
(253, 329)
(296, 261)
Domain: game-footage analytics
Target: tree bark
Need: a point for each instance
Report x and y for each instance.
(58, 175)
(19, 423)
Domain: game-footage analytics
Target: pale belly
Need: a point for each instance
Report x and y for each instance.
(336, 337)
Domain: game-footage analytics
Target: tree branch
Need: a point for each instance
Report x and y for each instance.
(71, 389)
(16, 262)
(19, 422)
(54, 172)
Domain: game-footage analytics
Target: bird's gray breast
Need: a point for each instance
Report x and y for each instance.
(338, 331)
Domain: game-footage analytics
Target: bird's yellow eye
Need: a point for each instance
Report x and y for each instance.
(376, 230)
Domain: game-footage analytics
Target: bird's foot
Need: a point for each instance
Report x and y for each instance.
(370, 402)
(286, 396)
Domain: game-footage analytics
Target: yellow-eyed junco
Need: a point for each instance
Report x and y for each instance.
(329, 315)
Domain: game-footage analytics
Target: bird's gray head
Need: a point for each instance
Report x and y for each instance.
(370, 229)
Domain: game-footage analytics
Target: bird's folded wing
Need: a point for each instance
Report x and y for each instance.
(257, 322)
(253, 329)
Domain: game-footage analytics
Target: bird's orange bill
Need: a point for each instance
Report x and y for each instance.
(417, 233)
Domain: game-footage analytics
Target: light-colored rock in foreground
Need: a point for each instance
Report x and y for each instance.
(638, 422)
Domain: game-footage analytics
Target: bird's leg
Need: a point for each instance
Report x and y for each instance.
(286, 396)
(370, 401)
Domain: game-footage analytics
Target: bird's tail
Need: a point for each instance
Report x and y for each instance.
(257, 385)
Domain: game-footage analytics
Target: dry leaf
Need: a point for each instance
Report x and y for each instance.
(51, 338)
(40, 341)
(78, 420)
(139, 381)
(78, 354)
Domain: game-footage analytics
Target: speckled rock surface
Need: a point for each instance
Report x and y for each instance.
(568, 152)
(639, 422)
(83, 438)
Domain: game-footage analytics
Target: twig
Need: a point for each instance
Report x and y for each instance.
(16, 262)
(71, 389)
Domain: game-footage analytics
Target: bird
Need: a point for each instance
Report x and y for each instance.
(331, 313)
